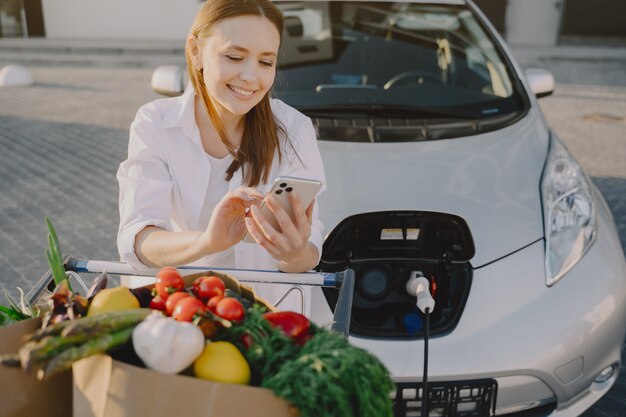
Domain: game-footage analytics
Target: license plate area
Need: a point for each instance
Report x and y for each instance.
(475, 398)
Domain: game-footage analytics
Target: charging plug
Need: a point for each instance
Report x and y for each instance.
(418, 286)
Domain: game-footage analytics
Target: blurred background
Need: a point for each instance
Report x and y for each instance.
(522, 22)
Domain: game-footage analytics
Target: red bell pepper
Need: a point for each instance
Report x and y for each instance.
(293, 325)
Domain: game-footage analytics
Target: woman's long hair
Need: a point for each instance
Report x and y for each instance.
(262, 131)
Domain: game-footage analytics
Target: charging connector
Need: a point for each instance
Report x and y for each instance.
(418, 286)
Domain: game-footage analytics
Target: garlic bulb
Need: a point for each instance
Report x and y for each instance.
(167, 345)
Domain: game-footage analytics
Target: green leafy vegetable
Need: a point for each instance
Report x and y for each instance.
(330, 377)
(14, 313)
(9, 315)
(326, 376)
(55, 257)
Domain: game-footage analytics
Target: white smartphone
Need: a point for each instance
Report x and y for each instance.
(307, 189)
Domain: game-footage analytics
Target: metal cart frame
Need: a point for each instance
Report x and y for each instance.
(343, 281)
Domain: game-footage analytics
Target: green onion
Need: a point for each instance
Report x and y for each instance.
(55, 257)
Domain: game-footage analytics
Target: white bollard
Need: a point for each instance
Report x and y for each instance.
(15, 76)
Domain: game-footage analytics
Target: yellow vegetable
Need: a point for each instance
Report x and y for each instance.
(222, 362)
(112, 299)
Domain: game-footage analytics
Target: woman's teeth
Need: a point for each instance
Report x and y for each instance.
(241, 91)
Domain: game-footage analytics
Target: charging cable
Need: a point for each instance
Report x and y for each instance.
(418, 286)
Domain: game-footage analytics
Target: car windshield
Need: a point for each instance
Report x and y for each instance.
(390, 59)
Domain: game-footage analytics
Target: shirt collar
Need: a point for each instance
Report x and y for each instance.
(182, 114)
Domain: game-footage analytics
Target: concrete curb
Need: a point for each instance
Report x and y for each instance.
(96, 46)
(122, 52)
(91, 53)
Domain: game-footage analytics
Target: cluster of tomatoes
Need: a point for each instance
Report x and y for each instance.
(206, 299)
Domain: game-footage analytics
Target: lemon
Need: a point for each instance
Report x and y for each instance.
(222, 362)
(112, 299)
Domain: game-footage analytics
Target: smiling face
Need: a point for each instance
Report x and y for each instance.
(238, 60)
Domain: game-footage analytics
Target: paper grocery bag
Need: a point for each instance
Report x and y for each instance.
(22, 395)
(107, 387)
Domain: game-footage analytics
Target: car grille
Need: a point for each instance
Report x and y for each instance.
(367, 129)
(475, 398)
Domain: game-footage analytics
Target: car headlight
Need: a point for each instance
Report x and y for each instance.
(568, 211)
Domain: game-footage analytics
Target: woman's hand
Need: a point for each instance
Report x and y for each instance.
(290, 246)
(157, 247)
(227, 225)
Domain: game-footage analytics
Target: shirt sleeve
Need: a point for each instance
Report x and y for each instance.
(145, 186)
(306, 162)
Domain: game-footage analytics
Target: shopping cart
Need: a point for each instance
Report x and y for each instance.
(342, 281)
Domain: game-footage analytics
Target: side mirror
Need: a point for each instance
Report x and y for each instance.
(168, 80)
(294, 26)
(541, 81)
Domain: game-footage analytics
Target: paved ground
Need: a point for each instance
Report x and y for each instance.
(62, 141)
(63, 138)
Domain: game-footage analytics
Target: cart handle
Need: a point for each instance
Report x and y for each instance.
(319, 279)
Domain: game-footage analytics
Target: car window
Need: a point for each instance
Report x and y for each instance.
(403, 59)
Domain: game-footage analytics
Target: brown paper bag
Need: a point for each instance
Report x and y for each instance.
(106, 387)
(22, 395)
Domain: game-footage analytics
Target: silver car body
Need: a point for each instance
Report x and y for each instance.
(540, 343)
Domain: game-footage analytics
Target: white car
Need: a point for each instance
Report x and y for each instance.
(439, 163)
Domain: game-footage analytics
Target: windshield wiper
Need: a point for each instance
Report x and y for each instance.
(386, 111)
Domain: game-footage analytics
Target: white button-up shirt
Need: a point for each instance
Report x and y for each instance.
(164, 180)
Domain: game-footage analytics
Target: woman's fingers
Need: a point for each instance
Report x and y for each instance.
(235, 203)
(284, 221)
(299, 225)
(248, 196)
(287, 237)
(302, 220)
(264, 226)
(226, 224)
(259, 236)
(309, 213)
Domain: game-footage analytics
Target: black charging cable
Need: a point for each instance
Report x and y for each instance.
(425, 374)
(419, 286)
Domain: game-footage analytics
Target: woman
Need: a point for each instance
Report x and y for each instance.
(198, 165)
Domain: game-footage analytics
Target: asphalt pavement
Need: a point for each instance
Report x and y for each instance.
(63, 138)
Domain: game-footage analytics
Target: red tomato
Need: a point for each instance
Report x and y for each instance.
(168, 282)
(208, 287)
(173, 299)
(187, 308)
(230, 308)
(212, 303)
(157, 303)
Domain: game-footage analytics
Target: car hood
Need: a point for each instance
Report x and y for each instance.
(491, 180)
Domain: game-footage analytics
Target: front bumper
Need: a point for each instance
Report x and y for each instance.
(543, 345)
